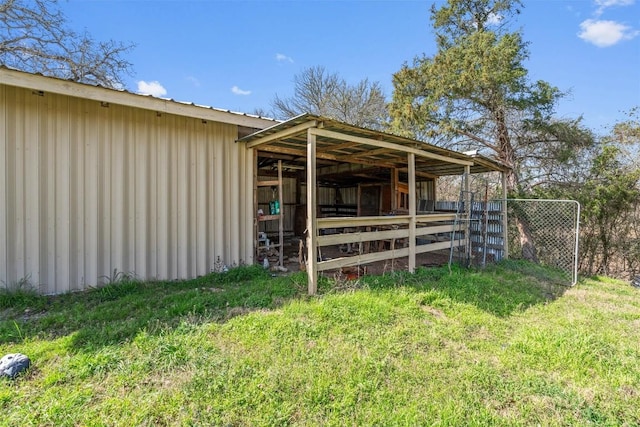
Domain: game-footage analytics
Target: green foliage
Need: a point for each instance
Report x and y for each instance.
(612, 189)
(610, 198)
(476, 73)
(475, 93)
(21, 295)
(606, 182)
(504, 346)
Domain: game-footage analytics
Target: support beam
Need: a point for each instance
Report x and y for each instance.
(255, 205)
(505, 220)
(398, 147)
(326, 156)
(467, 190)
(467, 208)
(312, 226)
(394, 188)
(411, 161)
(372, 153)
(282, 134)
(281, 219)
(420, 174)
(338, 147)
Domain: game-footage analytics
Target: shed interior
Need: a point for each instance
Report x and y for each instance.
(358, 175)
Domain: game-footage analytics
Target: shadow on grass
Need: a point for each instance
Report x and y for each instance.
(501, 289)
(118, 312)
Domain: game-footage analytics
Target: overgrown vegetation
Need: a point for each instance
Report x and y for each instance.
(475, 93)
(504, 346)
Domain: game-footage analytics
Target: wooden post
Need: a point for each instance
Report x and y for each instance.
(467, 209)
(312, 229)
(505, 220)
(435, 192)
(467, 190)
(394, 188)
(411, 159)
(281, 219)
(255, 205)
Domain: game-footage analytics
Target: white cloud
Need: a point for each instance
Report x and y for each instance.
(194, 81)
(605, 33)
(153, 88)
(239, 91)
(603, 4)
(283, 58)
(609, 3)
(494, 19)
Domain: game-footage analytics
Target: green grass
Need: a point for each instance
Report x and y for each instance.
(504, 346)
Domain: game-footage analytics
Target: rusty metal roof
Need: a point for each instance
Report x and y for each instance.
(338, 142)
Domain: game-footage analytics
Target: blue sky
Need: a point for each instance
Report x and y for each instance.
(237, 55)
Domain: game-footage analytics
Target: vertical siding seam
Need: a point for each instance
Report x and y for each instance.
(67, 218)
(80, 189)
(19, 199)
(3, 184)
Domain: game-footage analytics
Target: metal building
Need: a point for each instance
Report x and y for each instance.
(95, 182)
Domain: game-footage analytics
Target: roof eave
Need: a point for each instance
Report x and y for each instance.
(80, 90)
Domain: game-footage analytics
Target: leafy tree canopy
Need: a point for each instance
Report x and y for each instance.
(475, 93)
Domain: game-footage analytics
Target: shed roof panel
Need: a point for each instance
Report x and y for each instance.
(343, 143)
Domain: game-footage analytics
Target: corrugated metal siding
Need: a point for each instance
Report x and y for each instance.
(87, 190)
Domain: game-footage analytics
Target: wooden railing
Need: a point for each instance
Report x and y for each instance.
(393, 229)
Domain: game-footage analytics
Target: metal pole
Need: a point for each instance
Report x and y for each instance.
(505, 219)
(575, 263)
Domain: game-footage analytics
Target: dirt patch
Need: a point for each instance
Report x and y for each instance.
(433, 311)
(430, 259)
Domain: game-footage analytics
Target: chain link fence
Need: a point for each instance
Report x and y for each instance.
(542, 230)
(548, 230)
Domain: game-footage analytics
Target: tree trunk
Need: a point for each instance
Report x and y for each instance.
(529, 251)
(507, 156)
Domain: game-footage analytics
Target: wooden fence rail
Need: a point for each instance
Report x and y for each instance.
(344, 231)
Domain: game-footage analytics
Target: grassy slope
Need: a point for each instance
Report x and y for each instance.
(500, 347)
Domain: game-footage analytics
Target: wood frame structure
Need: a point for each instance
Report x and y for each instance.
(310, 139)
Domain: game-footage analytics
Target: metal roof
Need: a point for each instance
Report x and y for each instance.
(338, 142)
(40, 82)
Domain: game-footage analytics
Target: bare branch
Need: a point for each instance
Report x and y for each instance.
(34, 37)
(319, 92)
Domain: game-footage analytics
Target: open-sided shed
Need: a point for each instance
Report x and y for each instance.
(327, 150)
(96, 183)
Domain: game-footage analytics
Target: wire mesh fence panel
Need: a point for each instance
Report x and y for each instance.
(545, 231)
(542, 230)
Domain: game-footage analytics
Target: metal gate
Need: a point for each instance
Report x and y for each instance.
(552, 227)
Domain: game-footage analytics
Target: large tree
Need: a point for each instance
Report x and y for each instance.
(475, 93)
(35, 37)
(607, 185)
(320, 92)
